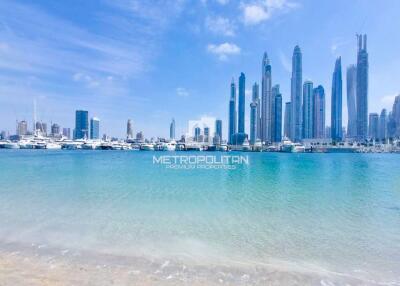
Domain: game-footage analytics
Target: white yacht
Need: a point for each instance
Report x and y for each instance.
(53, 146)
(223, 147)
(90, 145)
(147, 147)
(257, 146)
(169, 146)
(246, 145)
(290, 147)
(26, 144)
(11, 145)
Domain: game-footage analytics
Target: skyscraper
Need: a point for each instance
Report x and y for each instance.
(396, 116)
(336, 104)
(232, 113)
(319, 112)
(129, 129)
(94, 128)
(22, 128)
(55, 129)
(242, 102)
(351, 76)
(81, 124)
(67, 133)
(308, 106)
(172, 129)
(276, 123)
(256, 99)
(296, 84)
(288, 115)
(383, 122)
(373, 132)
(362, 88)
(253, 122)
(266, 99)
(218, 130)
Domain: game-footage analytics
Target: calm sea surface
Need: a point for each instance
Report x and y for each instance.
(330, 213)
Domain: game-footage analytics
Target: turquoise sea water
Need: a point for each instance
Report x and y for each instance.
(328, 213)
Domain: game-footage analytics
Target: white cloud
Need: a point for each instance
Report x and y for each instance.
(254, 14)
(223, 50)
(220, 25)
(262, 10)
(182, 92)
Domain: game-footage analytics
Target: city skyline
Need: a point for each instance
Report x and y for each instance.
(93, 79)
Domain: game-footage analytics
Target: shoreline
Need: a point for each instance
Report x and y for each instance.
(37, 265)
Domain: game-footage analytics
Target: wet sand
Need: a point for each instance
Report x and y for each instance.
(17, 268)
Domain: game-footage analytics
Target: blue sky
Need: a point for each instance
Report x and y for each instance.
(154, 60)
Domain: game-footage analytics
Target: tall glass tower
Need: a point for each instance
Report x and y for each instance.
(296, 85)
(242, 102)
(336, 105)
(288, 116)
(319, 112)
(94, 128)
(81, 124)
(276, 123)
(351, 77)
(256, 99)
(232, 113)
(362, 88)
(253, 122)
(218, 130)
(308, 105)
(266, 99)
(373, 126)
(172, 129)
(383, 122)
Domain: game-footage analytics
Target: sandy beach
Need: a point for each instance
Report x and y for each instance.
(29, 268)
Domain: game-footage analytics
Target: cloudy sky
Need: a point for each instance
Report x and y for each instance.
(154, 60)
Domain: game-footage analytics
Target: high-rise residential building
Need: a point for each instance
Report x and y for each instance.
(276, 122)
(319, 112)
(288, 115)
(396, 115)
(391, 126)
(22, 128)
(81, 124)
(55, 129)
(266, 100)
(241, 104)
(383, 123)
(296, 86)
(67, 133)
(328, 132)
(129, 129)
(3, 135)
(253, 122)
(336, 104)
(139, 136)
(218, 131)
(94, 128)
(351, 77)
(172, 129)
(362, 88)
(373, 131)
(232, 113)
(197, 133)
(308, 108)
(256, 99)
(41, 127)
